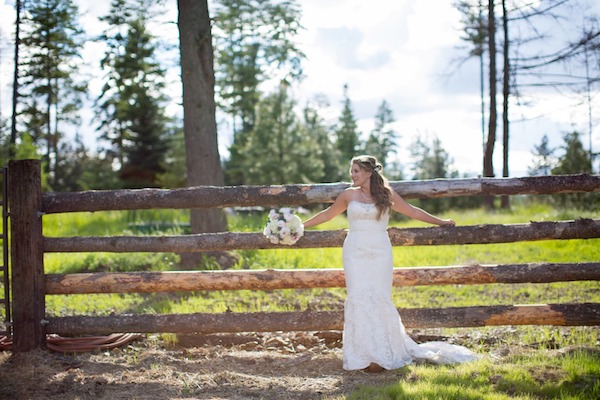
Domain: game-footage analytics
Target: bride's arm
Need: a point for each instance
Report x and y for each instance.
(339, 206)
(411, 211)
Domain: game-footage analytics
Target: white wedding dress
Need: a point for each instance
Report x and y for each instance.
(373, 330)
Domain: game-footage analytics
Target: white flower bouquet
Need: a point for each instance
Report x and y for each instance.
(283, 227)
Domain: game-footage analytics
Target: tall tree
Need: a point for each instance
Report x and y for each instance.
(254, 43)
(15, 88)
(280, 150)
(575, 160)
(316, 128)
(533, 56)
(72, 165)
(488, 155)
(475, 34)
(175, 173)
(199, 121)
(542, 158)
(347, 135)
(131, 103)
(430, 161)
(52, 97)
(382, 140)
(504, 200)
(112, 127)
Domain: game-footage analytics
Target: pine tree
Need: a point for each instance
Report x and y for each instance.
(575, 160)
(72, 165)
(52, 97)
(382, 140)
(174, 165)
(327, 152)
(112, 127)
(347, 136)
(280, 150)
(254, 42)
(542, 159)
(431, 161)
(131, 102)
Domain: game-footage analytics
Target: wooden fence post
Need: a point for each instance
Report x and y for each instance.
(27, 255)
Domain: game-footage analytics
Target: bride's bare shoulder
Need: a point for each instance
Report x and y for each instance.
(350, 193)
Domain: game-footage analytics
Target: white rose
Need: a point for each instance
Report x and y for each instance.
(267, 231)
(285, 210)
(273, 226)
(294, 221)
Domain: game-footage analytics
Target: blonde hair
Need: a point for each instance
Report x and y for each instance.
(380, 187)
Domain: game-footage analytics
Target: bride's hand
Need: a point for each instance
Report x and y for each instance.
(448, 222)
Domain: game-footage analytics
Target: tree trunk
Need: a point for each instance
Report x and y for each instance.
(505, 202)
(488, 164)
(200, 128)
(15, 94)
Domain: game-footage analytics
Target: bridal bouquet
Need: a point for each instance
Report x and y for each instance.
(283, 227)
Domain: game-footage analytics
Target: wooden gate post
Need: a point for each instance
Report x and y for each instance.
(27, 255)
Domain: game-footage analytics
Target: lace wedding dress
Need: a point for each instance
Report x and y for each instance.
(373, 330)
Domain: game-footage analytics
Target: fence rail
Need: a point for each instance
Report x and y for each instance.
(219, 197)
(479, 234)
(272, 279)
(31, 285)
(453, 317)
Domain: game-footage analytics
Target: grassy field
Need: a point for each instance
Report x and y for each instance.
(117, 223)
(520, 362)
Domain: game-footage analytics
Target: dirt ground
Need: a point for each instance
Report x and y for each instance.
(260, 366)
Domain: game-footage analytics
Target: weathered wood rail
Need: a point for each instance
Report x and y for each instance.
(452, 317)
(28, 246)
(295, 195)
(480, 234)
(272, 279)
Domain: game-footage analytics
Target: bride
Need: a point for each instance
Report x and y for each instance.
(374, 337)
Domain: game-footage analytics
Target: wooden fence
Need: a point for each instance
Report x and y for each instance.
(30, 283)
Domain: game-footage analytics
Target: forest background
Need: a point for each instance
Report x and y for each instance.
(118, 124)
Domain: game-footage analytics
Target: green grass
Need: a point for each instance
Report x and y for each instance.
(534, 375)
(120, 223)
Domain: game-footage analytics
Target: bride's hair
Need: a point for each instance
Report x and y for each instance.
(380, 188)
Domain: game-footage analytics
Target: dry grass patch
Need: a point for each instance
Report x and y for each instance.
(147, 370)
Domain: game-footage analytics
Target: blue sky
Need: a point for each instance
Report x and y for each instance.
(401, 51)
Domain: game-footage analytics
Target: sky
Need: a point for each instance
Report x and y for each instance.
(402, 51)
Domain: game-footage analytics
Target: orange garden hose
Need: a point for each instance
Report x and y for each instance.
(79, 344)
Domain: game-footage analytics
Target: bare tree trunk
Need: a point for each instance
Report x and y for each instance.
(488, 165)
(13, 129)
(481, 45)
(200, 128)
(505, 202)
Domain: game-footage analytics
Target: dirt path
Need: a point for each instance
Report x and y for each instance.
(287, 366)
